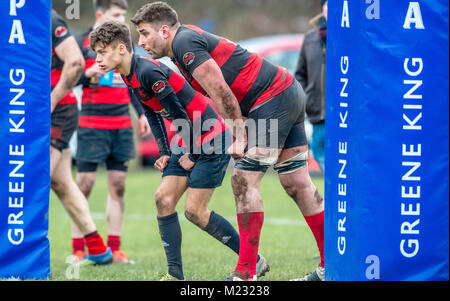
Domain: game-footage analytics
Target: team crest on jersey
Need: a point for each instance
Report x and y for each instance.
(60, 31)
(159, 86)
(188, 58)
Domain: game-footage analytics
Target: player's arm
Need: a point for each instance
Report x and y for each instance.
(173, 105)
(208, 74)
(143, 127)
(153, 79)
(68, 52)
(158, 127)
(210, 77)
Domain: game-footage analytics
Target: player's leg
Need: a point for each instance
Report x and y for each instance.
(115, 209)
(121, 145)
(76, 205)
(85, 181)
(207, 174)
(64, 121)
(167, 196)
(88, 154)
(250, 218)
(293, 170)
(299, 186)
(55, 158)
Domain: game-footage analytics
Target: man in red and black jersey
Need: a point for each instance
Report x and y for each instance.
(67, 66)
(197, 164)
(246, 90)
(105, 133)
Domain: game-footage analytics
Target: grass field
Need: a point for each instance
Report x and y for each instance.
(286, 241)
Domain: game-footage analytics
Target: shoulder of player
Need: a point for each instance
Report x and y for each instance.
(186, 35)
(56, 16)
(147, 70)
(145, 65)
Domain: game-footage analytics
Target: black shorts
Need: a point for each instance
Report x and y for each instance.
(279, 122)
(110, 163)
(209, 170)
(96, 146)
(64, 122)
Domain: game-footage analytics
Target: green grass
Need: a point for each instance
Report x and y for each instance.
(286, 241)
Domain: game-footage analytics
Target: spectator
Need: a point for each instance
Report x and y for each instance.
(311, 75)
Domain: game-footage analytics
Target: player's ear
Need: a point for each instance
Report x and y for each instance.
(122, 48)
(98, 15)
(165, 31)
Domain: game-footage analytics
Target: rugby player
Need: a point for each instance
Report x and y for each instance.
(67, 66)
(166, 94)
(105, 133)
(244, 86)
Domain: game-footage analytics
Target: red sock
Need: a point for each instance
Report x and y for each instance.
(316, 223)
(114, 242)
(77, 244)
(250, 225)
(95, 244)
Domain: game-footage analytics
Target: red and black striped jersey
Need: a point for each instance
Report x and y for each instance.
(166, 94)
(105, 99)
(60, 32)
(252, 79)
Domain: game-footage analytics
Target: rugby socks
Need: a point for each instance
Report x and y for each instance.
(250, 225)
(170, 231)
(77, 244)
(95, 244)
(114, 242)
(221, 229)
(316, 224)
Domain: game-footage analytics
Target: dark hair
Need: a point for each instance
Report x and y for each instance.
(104, 5)
(112, 33)
(156, 12)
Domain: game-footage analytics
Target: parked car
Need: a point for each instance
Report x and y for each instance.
(281, 50)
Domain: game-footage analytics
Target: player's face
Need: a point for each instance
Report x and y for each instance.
(108, 57)
(152, 40)
(114, 13)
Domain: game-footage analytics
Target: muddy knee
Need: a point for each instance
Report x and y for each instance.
(60, 188)
(193, 217)
(164, 202)
(118, 188)
(240, 187)
(86, 185)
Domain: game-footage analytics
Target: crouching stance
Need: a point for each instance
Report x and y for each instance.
(197, 163)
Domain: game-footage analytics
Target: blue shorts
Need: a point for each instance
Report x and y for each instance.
(207, 173)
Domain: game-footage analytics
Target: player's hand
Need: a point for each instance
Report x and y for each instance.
(94, 70)
(237, 149)
(161, 163)
(143, 127)
(186, 163)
